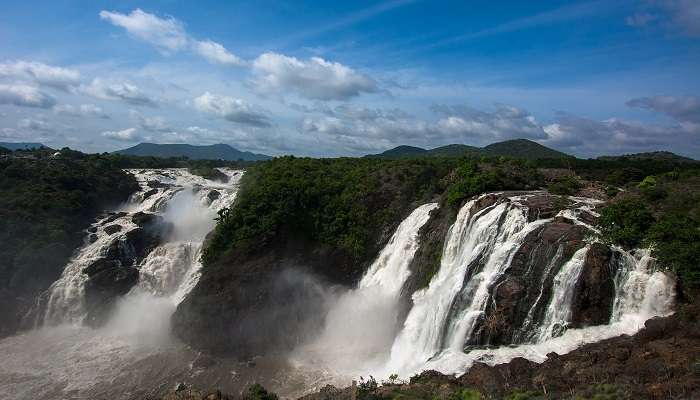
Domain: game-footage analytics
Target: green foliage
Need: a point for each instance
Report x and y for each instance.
(368, 389)
(675, 239)
(465, 394)
(611, 191)
(626, 222)
(474, 177)
(207, 172)
(343, 203)
(45, 202)
(603, 391)
(258, 392)
(565, 186)
(523, 395)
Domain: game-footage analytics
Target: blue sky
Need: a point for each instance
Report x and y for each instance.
(325, 79)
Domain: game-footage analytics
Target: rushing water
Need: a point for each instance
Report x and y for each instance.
(134, 355)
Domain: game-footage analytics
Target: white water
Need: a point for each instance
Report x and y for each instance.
(169, 271)
(362, 323)
(429, 341)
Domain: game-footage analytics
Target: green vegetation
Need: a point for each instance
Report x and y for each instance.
(343, 203)
(258, 392)
(663, 212)
(565, 186)
(45, 202)
(474, 177)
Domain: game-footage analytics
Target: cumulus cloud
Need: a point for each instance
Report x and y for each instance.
(124, 91)
(154, 124)
(682, 109)
(590, 137)
(83, 110)
(43, 74)
(506, 122)
(315, 78)
(25, 96)
(169, 36)
(33, 125)
(216, 53)
(234, 110)
(685, 14)
(126, 135)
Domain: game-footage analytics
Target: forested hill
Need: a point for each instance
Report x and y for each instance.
(211, 152)
(516, 148)
(650, 156)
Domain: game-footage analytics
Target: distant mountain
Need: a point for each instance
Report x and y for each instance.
(654, 155)
(22, 146)
(523, 148)
(211, 152)
(517, 148)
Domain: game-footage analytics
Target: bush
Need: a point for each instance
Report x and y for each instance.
(565, 186)
(626, 222)
(675, 239)
(257, 392)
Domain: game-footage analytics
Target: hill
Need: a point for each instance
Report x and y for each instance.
(654, 155)
(211, 152)
(22, 146)
(516, 148)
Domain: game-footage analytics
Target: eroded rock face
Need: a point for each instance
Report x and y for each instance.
(117, 272)
(595, 291)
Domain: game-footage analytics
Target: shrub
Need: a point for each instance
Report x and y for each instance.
(566, 186)
(626, 222)
(675, 239)
(257, 392)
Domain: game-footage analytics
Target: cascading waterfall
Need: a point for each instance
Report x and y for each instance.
(361, 323)
(478, 251)
(170, 270)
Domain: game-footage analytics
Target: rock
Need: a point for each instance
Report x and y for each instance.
(203, 361)
(595, 290)
(100, 265)
(157, 184)
(113, 217)
(108, 281)
(149, 193)
(92, 229)
(112, 229)
(213, 195)
(92, 238)
(142, 219)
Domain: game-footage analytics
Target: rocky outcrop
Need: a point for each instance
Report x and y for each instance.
(595, 291)
(116, 273)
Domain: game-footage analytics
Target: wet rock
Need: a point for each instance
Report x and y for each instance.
(92, 229)
(157, 184)
(112, 229)
(113, 217)
(92, 238)
(142, 219)
(213, 195)
(595, 290)
(100, 265)
(108, 281)
(149, 193)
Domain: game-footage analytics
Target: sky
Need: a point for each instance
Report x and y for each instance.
(326, 79)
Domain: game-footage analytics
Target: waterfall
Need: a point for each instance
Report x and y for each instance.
(188, 202)
(558, 312)
(361, 323)
(478, 253)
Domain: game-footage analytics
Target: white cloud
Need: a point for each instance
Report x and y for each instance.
(33, 125)
(124, 91)
(126, 135)
(169, 36)
(234, 110)
(315, 78)
(25, 96)
(685, 14)
(683, 109)
(154, 124)
(216, 53)
(43, 74)
(83, 110)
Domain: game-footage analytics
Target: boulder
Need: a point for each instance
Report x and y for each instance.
(108, 281)
(595, 290)
(213, 195)
(113, 217)
(112, 229)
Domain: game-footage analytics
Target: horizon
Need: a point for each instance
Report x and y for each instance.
(587, 78)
